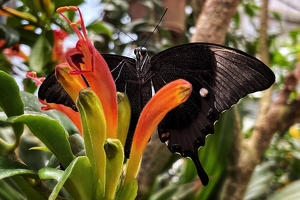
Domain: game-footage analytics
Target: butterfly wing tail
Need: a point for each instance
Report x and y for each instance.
(201, 172)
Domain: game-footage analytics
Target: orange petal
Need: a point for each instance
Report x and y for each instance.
(167, 98)
(86, 60)
(73, 115)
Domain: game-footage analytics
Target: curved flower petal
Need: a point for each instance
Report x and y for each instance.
(73, 115)
(87, 61)
(167, 98)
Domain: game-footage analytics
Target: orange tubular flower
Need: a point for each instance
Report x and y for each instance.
(167, 98)
(87, 61)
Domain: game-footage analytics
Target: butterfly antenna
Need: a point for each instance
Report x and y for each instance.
(156, 26)
(123, 32)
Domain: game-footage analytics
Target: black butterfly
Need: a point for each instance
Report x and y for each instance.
(220, 77)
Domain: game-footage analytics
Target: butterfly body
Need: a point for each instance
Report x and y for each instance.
(220, 76)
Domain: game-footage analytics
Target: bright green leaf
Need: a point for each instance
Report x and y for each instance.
(33, 106)
(214, 154)
(9, 168)
(51, 133)
(128, 192)
(10, 101)
(30, 192)
(37, 55)
(77, 179)
(101, 28)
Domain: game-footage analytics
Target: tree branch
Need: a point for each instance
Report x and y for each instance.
(214, 20)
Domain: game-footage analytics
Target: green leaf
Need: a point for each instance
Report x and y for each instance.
(289, 192)
(59, 3)
(260, 181)
(77, 179)
(128, 192)
(51, 133)
(9, 168)
(214, 154)
(101, 27)
(176, 191)
(37, 58)
(5, 65)
(10, 102)
(9, 190)
(11, 35)
(33, 106)
(30, 192)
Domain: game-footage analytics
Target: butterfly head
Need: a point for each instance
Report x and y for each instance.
(140, 53)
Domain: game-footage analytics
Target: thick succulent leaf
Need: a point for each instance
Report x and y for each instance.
(51, 133)
(9, 190)
(33, 106)
(10, 100)
(129, 191)
(77, 179)
(10, 168)
(30, 192)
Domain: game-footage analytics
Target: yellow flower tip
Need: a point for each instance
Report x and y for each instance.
(71, 83)
(184, 88)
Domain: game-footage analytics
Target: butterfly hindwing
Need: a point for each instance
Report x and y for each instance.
(52, 92)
